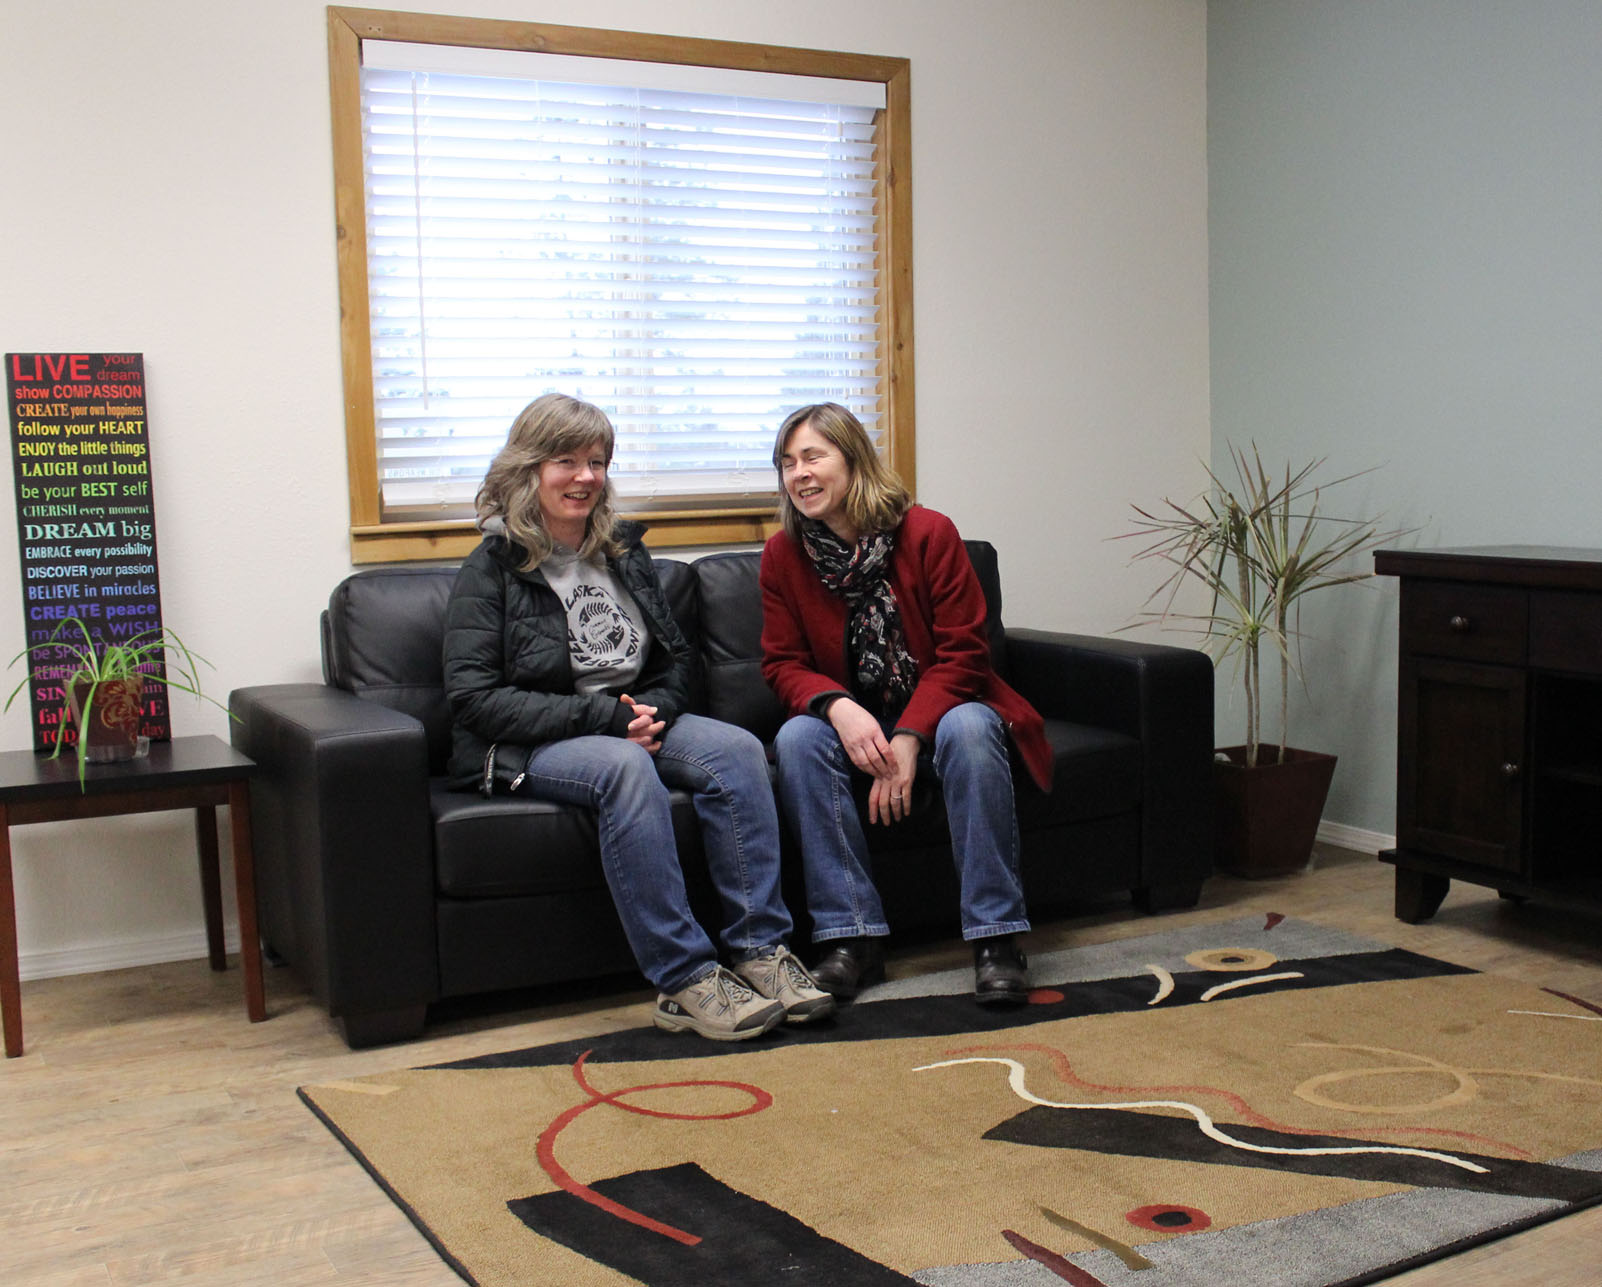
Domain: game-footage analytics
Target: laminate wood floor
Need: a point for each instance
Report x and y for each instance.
(151, 1134)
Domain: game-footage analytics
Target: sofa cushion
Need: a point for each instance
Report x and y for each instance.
(982, 554)
(731, 644)
(383, 639)
(682, 589)
(515, 845)
(1098, 774)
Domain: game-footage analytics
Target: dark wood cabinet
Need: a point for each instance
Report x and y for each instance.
(1499, 727)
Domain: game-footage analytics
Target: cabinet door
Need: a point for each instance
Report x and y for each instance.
(1460, 767)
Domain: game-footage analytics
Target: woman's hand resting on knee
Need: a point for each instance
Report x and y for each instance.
(890, 796)
(860, 734)
(890, 762)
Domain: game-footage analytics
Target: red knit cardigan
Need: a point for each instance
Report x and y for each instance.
(942, 613)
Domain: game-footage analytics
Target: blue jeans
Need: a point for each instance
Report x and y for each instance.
(972, 763)
(725, 770)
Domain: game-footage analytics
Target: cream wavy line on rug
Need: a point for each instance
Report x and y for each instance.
(1017, 1076)
(1065, 1072)
(1165, 983)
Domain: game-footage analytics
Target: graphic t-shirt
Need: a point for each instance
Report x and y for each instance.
(607, 637)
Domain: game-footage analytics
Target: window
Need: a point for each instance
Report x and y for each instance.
(696, 260)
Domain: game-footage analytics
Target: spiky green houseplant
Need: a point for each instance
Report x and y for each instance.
(94, 667)
(1259, 547)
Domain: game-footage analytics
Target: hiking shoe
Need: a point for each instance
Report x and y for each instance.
(719, 1006)
(778, 974)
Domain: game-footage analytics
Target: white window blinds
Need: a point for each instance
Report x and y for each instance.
(696, 263)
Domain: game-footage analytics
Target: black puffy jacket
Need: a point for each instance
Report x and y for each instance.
(508, 673)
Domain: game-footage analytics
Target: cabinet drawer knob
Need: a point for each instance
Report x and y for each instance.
(1460, 624)
(1510, 770)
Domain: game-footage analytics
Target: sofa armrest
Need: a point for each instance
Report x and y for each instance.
(344, 848)
(1159, 694)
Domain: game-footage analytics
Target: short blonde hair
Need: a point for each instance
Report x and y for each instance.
(552, 425)
(876, 499)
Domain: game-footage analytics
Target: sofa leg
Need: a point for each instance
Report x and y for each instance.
(1166, 898)
(375, 1027)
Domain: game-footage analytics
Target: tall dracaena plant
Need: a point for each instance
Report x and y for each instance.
(1259, 548)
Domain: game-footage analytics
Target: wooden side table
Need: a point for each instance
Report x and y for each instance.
(196, 773)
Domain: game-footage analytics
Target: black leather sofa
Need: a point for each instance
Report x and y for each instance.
(385, 892)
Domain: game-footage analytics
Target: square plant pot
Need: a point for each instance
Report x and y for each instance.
(1266, 817)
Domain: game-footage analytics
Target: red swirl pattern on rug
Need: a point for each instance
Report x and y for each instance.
(546, 1148)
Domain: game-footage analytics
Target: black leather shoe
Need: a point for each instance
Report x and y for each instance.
(1000, 972)
(849, 965)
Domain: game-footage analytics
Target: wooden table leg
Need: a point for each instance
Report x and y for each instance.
(10, 988)
(1419, 894)
(245, 895)
(210, 883)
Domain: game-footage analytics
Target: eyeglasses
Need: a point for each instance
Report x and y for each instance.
(572, 465)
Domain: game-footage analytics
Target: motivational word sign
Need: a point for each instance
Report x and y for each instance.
(86, 523)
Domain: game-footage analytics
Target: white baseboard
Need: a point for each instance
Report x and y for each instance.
(124, 953)
(120, 954)
(1344, 837)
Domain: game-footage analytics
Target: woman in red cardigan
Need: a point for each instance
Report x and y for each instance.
(873, 637)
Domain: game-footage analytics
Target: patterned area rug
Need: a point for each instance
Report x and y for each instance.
(1253, 1102)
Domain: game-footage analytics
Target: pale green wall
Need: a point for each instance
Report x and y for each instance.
(1406, 270)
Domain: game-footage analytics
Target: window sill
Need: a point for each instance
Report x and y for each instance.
(452, 540)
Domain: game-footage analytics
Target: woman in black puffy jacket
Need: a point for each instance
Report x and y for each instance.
(566, 676)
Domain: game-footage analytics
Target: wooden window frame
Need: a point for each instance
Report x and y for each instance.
(374, 541)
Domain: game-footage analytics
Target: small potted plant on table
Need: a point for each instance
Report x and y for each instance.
(103, 685)
(1259, 548)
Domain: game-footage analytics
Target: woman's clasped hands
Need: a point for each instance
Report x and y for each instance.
(891, 762)
(644, 728)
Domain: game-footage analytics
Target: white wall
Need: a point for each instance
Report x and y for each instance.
(168, 190)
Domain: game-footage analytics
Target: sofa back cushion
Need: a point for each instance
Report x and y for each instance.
(982, 554)
(731, 644)
(384, 640)
(680, 586)
(731, 635)
(383, 636)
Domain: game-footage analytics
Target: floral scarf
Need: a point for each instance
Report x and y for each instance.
(876, 646)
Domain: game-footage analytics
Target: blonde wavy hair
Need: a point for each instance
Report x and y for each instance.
(550, 426)
(876, 498)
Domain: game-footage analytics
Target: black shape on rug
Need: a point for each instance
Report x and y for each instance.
(1131, 1133)
(947, 1016)
(744, 1241)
